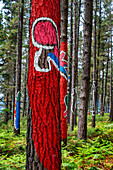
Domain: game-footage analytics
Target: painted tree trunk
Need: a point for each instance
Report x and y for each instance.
(74, 70)
(94, 70)
(84, 93)
(43, 85)
(18, 63)
(63, 68)
(70, 63)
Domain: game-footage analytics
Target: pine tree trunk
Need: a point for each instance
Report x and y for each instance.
(24, 99)
(63, 63)
(111, 87)
(70, 63)
(94, 70)
(77, 44)
(6, 113)
(74, 70)
(18, 63)
(84, 93)
(44, 86)
(14, 75)
(106, 78)
(98, 54)
(102, 88)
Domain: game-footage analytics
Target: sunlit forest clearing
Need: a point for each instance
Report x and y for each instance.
(94, 154)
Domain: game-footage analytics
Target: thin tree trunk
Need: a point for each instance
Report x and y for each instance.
(24, 99)
(18, 61)
(98, 54)
(102, 88)
(6, 113)
(70, 63)
(84, 93)
(105, 87)
(74, 70)
(94, 70)
(14, 76)
(77, 44)
(63, 63)
(111, 87)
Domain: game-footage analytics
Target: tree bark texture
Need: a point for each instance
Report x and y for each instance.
(70, 63)
(102, 88)
(24, 99)
(18, 63)
(105, 86)
(94, 70)
(32, 160)
(111, 87)
(84, 93)
(43, 84)
(98, 54)
(63, 69)
(6, 112)
(77, 45)
(74, 70)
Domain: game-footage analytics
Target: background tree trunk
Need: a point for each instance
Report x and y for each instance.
(19, 58)
(98, 54)
(111, 87)
(105, 87)
(94, 70)
(84, 93)
(102, 88)
(74, 70)
(70, 62)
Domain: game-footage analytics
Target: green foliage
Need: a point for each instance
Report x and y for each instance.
(94, 153)
(12, 147)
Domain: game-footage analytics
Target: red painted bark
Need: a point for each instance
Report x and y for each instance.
(43, 80)
(63, 89)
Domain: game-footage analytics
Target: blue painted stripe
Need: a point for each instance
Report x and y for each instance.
(17, 114)
(54, 58)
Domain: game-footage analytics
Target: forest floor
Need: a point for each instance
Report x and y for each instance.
(94, 154)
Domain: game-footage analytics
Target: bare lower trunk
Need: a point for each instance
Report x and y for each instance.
(32, 160)
(84, 93)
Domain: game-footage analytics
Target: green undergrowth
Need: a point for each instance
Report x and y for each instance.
(94, 154)
(12, 147)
